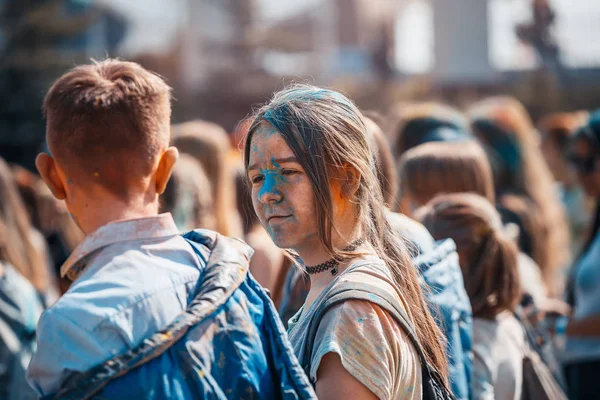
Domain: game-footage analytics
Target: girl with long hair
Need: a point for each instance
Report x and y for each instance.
(17, 236)
(512, 144)
(58, 233)
(314, 189)
(439, 168)
(24, 282)
(488, 259)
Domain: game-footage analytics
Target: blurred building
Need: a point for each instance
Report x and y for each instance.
(224, 56)
(237, 52)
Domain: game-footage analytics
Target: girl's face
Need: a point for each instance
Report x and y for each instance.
(282, 194)
(584, 159)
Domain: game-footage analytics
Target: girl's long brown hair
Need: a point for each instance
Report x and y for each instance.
(16, 232)
(326, 131)
(385, 167)
(505, 128)
(488, 258)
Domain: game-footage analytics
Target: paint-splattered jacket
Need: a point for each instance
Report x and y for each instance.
(229, 343)
(450, 305)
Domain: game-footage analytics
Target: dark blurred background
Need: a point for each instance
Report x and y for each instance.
(224, 56)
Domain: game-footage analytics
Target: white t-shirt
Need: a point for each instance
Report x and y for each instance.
(372, 346)
(498, 350)
(531, 279)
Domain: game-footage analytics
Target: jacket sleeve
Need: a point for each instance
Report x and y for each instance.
(62, 347)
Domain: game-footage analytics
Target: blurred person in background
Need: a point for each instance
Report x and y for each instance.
(326, 205)
(582, 348)
(417, 238)
(419, 123)
(442, 167)
(209, 144)
(188, 196)
(556, 130)
(24, 279)
(437, 264)
(383, 158)
(512, 144)
(24, 247)
(268, 265)
(439, 168)
(51, 218)
(525, 224)
(488, 259)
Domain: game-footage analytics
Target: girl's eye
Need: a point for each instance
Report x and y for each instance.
(257, 179)
(288, 172)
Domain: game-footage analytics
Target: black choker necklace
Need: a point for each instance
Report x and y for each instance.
(334, 262)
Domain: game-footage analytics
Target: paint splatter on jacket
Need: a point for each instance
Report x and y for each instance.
(228, 344)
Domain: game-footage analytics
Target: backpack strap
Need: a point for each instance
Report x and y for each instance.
(356, 290)
(359, 291)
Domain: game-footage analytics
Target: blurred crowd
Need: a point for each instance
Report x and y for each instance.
(519, 198)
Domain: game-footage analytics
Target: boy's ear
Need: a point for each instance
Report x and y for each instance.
(47, 169)
(165, 167)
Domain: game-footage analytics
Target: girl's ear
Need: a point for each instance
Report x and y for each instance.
(350, 181)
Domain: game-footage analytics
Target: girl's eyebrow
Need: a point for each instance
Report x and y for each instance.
(275, 161)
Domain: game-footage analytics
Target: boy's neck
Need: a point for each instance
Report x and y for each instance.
(96, 215)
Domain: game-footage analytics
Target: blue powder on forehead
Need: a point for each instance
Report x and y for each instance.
(280, 111)
(308, 94)
(285, 126)
(285, 113)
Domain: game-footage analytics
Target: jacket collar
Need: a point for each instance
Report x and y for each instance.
(227, 263)
(115, 232)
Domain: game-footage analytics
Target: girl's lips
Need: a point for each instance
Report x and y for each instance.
(277, 218)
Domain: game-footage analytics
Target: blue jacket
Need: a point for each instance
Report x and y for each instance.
(451, 308)
(229, 344)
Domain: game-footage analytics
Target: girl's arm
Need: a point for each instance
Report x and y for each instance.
(334, 382)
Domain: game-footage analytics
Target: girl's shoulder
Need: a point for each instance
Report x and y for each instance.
(371, 345)
(371, 274)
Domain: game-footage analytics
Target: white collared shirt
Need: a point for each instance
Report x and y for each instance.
(131, 279)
